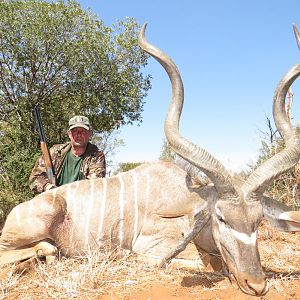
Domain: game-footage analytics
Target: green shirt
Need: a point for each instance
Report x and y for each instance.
(71, 169)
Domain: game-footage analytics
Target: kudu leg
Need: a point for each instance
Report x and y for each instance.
(201, 220)
(29, 226)
(161, 239)
(40, 249)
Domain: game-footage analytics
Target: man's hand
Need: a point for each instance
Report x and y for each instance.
(49, 186)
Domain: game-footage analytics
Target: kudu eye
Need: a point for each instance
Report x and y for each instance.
(220, 218)
(219, 215)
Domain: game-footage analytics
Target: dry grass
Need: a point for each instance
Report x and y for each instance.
(87, 277)
(119, 275)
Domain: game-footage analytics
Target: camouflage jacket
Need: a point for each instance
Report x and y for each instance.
(93, 166)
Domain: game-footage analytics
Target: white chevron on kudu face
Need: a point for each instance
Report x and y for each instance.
(244, 238)
(239, 236)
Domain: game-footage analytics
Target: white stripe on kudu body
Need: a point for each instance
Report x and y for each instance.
(89, 212)
(17, 214)
(71, 192)
(30, 210)
(54, 197)
(146, 196)
(136, 208)
(103, 205)
(121, 204)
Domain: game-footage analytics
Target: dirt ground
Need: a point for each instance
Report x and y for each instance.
(128, 280)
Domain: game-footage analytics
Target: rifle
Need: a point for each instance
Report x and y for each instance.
(45, 150)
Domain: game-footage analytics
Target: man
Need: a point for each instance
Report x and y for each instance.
(75, 160)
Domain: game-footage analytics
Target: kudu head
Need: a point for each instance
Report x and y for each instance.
(238, 210)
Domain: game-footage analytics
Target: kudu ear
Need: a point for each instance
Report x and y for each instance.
(291, 216)
(280, 216)
(291, 220)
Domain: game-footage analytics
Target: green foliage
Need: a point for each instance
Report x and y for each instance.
(65, 59)
(15, 167)
(167, 153)
(56, 55)
(109, 142)
(283, 188)
(124, 167)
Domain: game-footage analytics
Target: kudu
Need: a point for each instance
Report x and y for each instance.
(155, 210)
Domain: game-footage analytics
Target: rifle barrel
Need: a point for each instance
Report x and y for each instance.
(39, 123)
(44, 148)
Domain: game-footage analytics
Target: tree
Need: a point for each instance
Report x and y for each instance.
(124, 167)
(284, 187)
(56, 55)
(64, 59)
(167, 153)
(109, 142)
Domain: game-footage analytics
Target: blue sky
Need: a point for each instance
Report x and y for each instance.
(231, 55)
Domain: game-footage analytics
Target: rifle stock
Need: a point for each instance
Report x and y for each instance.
(44, 147)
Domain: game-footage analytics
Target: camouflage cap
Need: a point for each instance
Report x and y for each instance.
(79, 121)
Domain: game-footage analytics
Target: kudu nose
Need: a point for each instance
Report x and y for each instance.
(258, 287)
